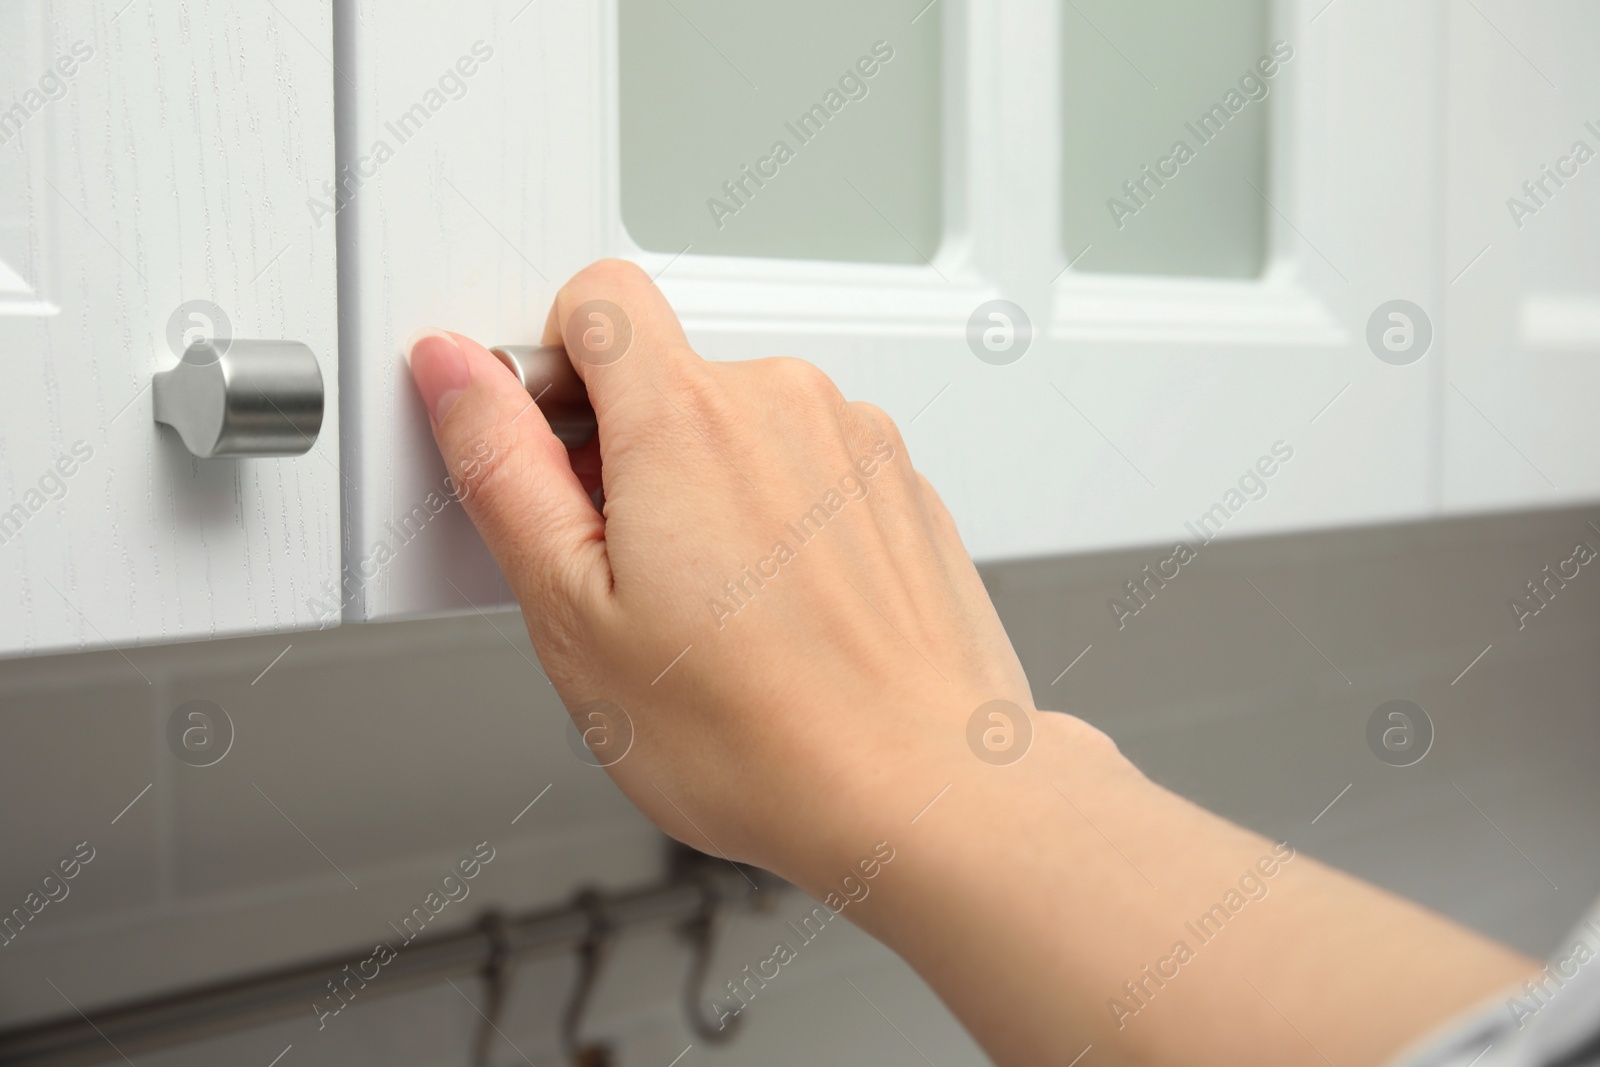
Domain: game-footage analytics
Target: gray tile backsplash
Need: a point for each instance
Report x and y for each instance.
(372, 756)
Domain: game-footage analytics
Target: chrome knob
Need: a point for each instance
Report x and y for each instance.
(547, 374)
(243, 398)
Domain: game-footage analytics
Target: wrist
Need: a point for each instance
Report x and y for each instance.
(973, 899)
(930, 797)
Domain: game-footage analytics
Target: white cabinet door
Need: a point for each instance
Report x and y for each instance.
(1144, 404)
(1524, 307)
(156, 162)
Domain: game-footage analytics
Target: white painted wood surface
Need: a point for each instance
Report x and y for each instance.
(1524, 310)
(173, 163)
(1142, 400)
(186, 155)
(480, 207)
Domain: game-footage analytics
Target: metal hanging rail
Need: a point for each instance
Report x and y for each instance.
(689, 898)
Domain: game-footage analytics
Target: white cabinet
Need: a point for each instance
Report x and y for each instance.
(470, 149)
(1143, 403)
(156, 159)
(485, 152)
(1523, 196)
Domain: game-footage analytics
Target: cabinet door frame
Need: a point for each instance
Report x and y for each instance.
(1369, 242)
(1143, 399)
(1524, 291)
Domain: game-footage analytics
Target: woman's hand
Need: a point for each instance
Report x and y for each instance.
(781, 607)
(775, 598)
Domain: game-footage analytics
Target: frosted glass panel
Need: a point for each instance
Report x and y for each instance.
(1165, 132)
(803, 131)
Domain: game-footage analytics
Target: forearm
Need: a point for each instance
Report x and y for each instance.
(1068, 901)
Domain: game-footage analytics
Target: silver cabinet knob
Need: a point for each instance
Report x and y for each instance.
(243, 398)
(547, 374)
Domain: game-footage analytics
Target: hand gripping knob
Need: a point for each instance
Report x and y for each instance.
(547, 374)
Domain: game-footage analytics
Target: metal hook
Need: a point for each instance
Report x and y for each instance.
(497, 981)
(701, 932)
(592, 953)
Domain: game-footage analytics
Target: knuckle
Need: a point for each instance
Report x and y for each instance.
(795, 380)
(877, 424)
(874, 417)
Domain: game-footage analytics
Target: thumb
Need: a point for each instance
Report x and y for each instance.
(510, 472)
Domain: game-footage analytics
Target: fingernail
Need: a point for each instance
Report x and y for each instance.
(440, 371)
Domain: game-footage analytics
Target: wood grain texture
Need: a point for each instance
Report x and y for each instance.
(190, 156)
(173, 163)
(474, 196)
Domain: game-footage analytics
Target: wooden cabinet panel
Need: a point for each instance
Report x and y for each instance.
(1141, 401)
(1523, 197)
(158, 165)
